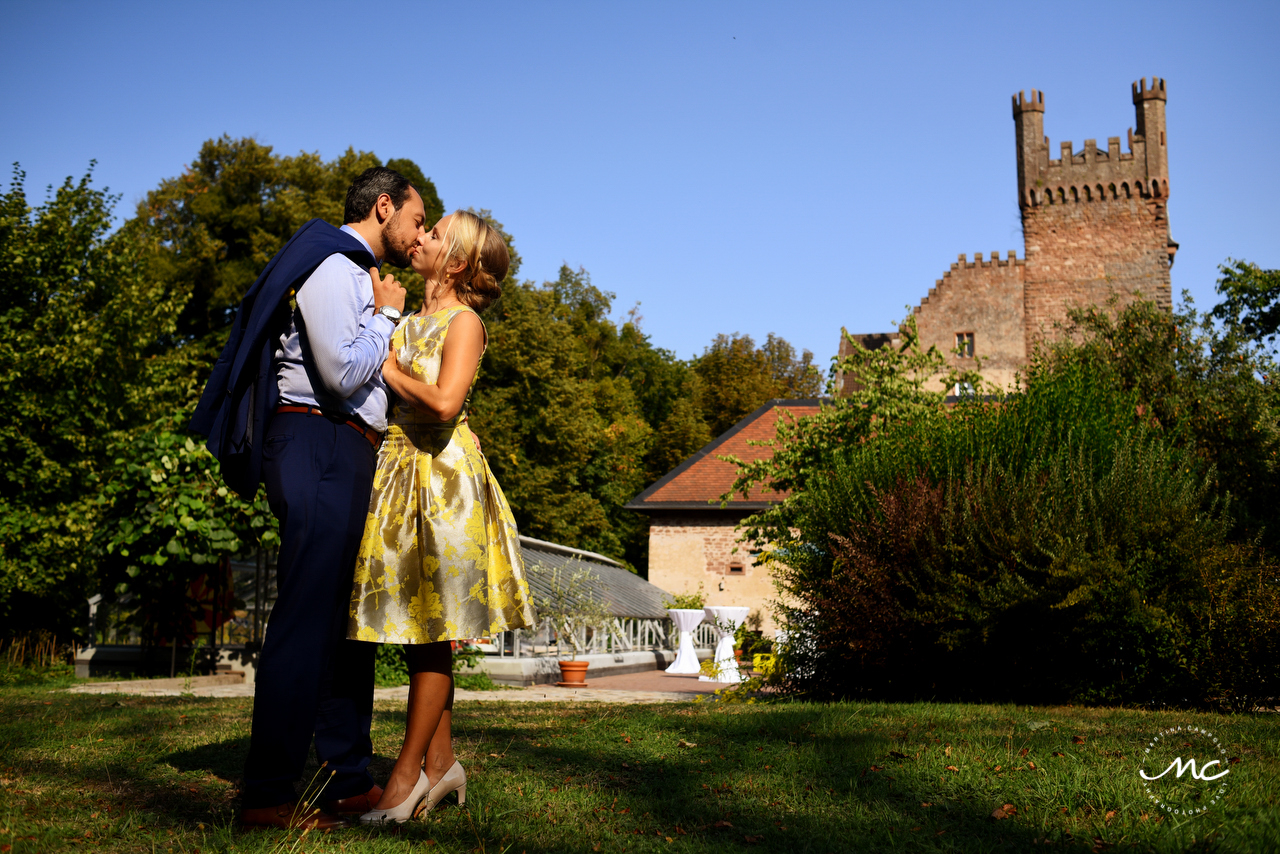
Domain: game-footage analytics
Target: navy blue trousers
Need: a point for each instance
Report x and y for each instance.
(311, 679)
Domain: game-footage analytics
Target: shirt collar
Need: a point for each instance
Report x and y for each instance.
(349, 230)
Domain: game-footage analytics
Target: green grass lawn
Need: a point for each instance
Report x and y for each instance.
(116, 773)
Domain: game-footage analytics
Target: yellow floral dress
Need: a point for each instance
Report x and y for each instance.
(440, 558)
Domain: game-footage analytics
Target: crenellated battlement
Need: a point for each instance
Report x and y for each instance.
(1155, 93)
(1022, 103)
(1093, 174)
(962, 264)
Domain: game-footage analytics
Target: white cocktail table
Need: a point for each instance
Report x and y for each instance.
(725, 619)
(686, 620)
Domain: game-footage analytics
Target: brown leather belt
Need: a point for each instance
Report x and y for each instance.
(374, 437)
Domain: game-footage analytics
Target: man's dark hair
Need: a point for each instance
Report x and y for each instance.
(373, 182)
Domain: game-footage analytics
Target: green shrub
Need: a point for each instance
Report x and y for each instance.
(1062, 542)
(390, 669)
(688, 600)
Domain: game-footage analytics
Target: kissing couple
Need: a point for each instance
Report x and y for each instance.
(392, 526)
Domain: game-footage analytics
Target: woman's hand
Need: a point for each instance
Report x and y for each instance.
(392, 363)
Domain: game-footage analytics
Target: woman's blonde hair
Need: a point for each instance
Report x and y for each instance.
(469, 238)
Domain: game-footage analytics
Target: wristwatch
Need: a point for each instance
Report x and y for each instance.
(389, 313)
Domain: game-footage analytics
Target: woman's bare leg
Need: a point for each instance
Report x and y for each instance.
(440, 756)
(430, 693)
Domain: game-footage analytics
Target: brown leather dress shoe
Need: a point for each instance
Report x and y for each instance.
(359, 804)
(290, 815)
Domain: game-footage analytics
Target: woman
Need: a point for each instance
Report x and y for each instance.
(440, 559)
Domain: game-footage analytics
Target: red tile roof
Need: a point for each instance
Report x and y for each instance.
(699, 481)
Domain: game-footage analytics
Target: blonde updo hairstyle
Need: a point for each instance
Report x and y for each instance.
(469, 238)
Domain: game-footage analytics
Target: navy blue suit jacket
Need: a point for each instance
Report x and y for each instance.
(241, 394)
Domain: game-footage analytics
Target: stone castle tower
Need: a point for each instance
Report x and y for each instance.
(1094, 224)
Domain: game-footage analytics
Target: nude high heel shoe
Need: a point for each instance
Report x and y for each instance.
(454, 780)
(403, 811)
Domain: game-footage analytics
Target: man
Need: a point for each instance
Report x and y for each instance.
(310, 420)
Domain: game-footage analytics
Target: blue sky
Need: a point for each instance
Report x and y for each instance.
(749, 167)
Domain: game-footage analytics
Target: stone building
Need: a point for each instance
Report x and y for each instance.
(692, 538)
(1094, 223)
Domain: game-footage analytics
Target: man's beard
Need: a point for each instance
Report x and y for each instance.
(396, 254)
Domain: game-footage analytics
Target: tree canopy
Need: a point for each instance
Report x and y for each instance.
(1252, 300)
(109, 334)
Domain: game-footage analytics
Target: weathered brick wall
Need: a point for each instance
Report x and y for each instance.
(688, 548)
(984, 298)
(1081, 252)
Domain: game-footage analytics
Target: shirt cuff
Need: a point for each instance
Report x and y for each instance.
(388, 325)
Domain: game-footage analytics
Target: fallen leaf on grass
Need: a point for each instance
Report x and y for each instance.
(924, 804)
(668, 838)
(495, 755)
(1056, 753)
(626, 738)
(720, 825)
(1100, 845)
(1234, 760)
(753, 838)
(953, 768)
(947, 752)
(876, 768)
(1003, 812)
(1110, 815)
(1077, 739)
(914, 829)
(683, 743)
(1023, 752)
(1031, 765)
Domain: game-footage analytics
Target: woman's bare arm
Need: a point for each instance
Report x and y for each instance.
(459, 361)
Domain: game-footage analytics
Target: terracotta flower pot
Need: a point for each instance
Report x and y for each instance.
(573, 673)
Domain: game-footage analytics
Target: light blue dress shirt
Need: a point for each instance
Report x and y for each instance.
(346, 342)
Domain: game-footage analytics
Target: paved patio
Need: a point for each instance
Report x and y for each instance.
(648, 687)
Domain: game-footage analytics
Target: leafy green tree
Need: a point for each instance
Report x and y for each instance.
(1201, 385)
(81, 366)
(737, 377)
(218, 224)
(1252, 304)
(167, 518)
(681, 433)
(566, 438)
(881, 387)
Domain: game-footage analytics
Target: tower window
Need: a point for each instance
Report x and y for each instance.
(964, 345)
(736, 569)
